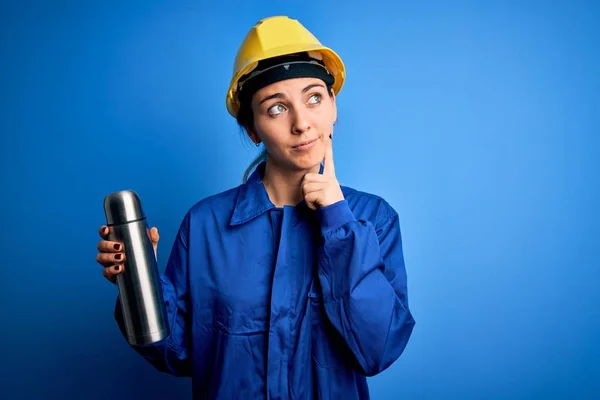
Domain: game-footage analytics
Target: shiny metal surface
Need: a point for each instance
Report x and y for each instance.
(122, 207)
(140, 291)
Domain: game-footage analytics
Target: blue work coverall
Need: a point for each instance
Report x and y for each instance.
(283, 303)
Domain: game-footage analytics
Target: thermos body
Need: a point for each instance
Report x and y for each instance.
(140, 292)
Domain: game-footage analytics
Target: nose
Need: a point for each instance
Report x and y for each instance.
(300, 121)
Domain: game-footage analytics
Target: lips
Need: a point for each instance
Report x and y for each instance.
(299, 145)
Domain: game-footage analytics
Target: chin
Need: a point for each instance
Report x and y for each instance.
(304, 161)
(307, 163)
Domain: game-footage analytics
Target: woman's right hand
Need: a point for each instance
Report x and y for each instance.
(111, 255)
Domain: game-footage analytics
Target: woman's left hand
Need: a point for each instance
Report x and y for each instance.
(322, 190)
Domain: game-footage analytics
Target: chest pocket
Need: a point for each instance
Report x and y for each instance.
(239, 296)
(236, 318)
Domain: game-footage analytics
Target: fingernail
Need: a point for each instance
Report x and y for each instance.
(330, 136)
(118, 256)
(103, 230)
(117, 247)
(117, 267)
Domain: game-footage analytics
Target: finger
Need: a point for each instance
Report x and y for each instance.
(312, 177)
(111, 272)
(329, 167)
(107, 246)
(311, 199)
(104, 231)
(153, 235)
(312, 187)
(106, 259)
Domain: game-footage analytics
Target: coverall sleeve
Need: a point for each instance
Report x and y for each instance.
(363, 279)
(171, 355)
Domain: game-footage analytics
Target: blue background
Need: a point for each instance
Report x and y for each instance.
(477, 121)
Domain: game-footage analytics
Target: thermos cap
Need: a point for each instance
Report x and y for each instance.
(122, 207)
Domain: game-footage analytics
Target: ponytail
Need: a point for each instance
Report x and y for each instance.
(260, 158)
(245, 119)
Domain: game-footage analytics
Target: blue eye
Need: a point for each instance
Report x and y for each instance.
(276, 109)
(315, 99)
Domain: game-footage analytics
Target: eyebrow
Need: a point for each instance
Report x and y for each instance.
(273, 96)
(306, 89)
(280, 95)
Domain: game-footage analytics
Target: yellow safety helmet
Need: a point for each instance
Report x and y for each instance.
(274, 37)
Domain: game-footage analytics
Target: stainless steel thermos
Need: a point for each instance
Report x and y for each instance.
(140, 293)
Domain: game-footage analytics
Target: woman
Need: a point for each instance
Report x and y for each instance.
(288, 286)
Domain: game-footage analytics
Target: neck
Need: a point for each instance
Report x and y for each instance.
(283, 185)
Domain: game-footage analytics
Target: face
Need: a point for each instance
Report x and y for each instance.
(294, 118)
